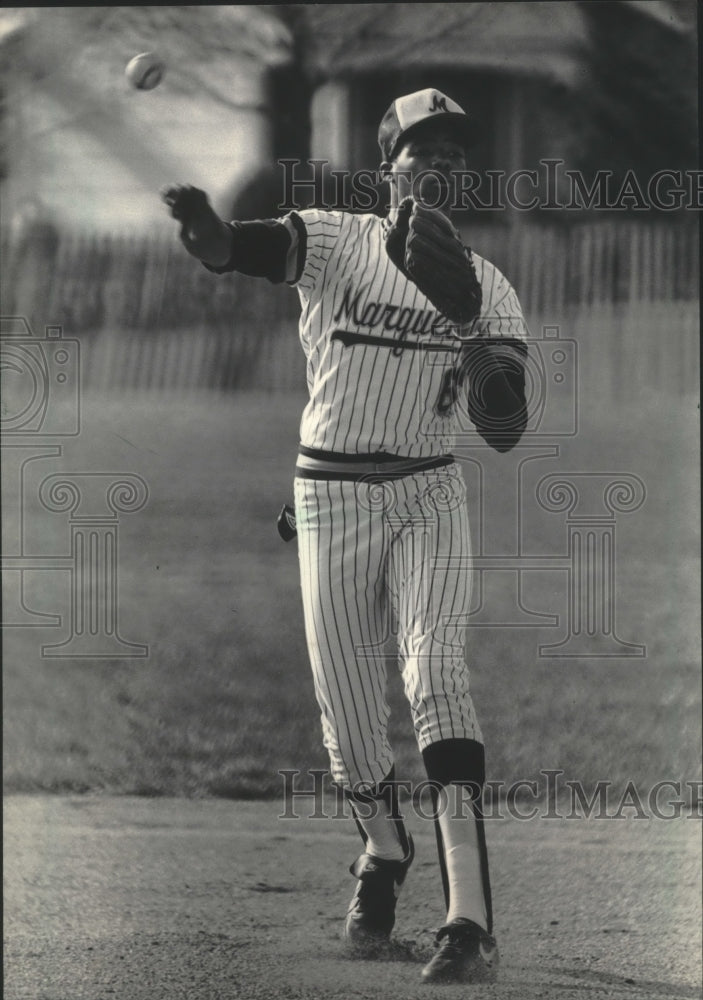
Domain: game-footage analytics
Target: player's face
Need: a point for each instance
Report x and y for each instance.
(426, 167)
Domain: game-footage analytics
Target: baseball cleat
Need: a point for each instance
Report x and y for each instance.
(371, 914)
(466, 954)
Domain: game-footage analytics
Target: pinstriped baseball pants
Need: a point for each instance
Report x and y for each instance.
(385, 570)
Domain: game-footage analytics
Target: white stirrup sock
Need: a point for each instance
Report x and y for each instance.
(462, 857)
(383, 838)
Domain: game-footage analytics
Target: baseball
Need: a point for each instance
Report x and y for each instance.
(145, 71)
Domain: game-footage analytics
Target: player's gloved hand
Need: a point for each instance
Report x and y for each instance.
(426, 247)
(203, 233)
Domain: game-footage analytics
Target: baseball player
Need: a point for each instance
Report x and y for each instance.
(404, 330)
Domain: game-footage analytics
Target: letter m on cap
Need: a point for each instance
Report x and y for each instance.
(438, 103)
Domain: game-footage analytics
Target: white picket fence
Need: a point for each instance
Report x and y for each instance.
(148, 316)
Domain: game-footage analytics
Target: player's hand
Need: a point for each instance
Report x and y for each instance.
(203, 233)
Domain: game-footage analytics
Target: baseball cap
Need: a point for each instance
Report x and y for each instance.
(406, 113)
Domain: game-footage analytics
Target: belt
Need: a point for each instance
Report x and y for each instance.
(377, 467)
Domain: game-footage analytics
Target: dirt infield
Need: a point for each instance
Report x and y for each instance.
(167, 898)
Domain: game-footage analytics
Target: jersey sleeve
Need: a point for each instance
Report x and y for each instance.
(493, 361)
(315, 234)
(260, 248)
(501, 313)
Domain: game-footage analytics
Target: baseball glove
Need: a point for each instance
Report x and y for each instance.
(426, 247)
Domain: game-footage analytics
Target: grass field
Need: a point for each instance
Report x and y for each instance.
(224, 698)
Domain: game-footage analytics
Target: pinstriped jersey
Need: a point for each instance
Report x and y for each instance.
(377, 350)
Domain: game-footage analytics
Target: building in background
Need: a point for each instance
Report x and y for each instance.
(596, 84)
(605, 86)
(599, 85)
